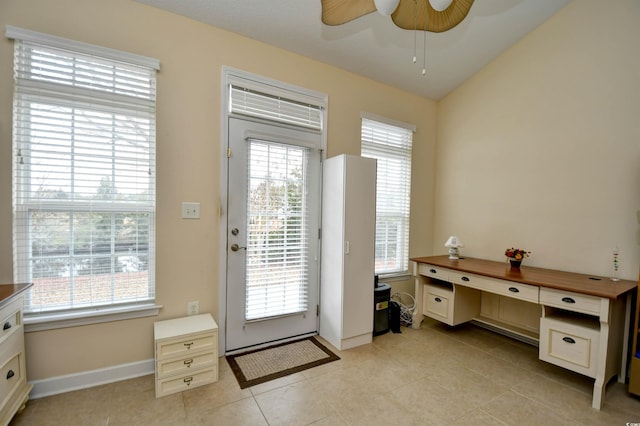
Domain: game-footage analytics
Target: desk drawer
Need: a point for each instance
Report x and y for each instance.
(569, 345)
(433, 271)
(185, 346)
(512, 289)
(436, 302)
(570, 301)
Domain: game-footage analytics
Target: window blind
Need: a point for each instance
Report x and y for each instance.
(83, 177)
(252, 103)
(391, 146)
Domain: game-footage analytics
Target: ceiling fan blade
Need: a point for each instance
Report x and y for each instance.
(336, 12)
(410, 15)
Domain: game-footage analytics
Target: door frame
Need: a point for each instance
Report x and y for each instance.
(245, 79)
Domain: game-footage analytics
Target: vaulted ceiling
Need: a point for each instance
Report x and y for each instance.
(372, 45)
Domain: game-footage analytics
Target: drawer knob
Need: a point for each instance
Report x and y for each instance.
(514, 290)
(433, 271)
(568, 340)
(188, 345)
(188, 380)
(467, 279)
(10, 374)
(7, 325)
(188, 362)
(568, 300)
(437, 299)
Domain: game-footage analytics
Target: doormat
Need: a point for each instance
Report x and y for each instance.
(262, 365)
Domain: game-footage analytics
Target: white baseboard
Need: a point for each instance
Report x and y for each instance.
(88, 379)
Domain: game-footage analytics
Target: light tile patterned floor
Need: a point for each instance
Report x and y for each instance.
(432, 376)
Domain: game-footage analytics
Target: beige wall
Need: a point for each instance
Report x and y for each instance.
(541, 149)
(188, 137)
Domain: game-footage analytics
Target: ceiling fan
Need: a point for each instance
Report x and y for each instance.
(427, 15)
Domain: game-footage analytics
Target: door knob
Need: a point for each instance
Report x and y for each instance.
(235, 247)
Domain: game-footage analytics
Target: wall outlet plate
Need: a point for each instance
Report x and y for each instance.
(193, 308)
(190, 210)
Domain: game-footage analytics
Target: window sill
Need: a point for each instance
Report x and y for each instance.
(402, 276)
(51, 321)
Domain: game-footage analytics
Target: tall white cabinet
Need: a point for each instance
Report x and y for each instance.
(348, 250)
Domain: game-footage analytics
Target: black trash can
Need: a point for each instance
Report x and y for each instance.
(382, 294)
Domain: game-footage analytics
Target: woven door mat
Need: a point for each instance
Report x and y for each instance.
(262, 365)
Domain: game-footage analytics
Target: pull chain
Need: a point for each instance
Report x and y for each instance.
(415, 30)
(424, 45)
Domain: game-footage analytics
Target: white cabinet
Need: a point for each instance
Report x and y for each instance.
(186, 352)
(14, 389)
(450, 304)
(348, 250)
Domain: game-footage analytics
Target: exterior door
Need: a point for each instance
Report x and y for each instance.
(272, 243)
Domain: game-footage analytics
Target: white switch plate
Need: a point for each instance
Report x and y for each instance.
(190, 210)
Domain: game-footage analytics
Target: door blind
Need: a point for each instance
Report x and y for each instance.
(277, 230)
(275, 108)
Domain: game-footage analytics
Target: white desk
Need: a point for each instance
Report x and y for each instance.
(579, 322)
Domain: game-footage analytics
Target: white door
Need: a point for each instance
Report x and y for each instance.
(273, 211)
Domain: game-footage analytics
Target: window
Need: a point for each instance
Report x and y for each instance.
(390, 145)
(83, 175)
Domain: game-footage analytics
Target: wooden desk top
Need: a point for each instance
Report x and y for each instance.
(9, 290)
(569, 281)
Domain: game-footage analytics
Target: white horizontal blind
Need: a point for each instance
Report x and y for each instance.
(274, 108)
(391, 147)
(277, 265)
(84, 178)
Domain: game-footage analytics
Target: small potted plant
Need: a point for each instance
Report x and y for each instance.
(516, 256)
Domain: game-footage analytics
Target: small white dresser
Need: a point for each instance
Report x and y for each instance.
(14, 389)
(186, 353)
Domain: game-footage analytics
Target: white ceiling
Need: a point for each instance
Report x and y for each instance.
(372, 45)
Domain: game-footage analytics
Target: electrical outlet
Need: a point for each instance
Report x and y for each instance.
(193, 308)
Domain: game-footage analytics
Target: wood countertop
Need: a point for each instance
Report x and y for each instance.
(9, 290)
(561, 280)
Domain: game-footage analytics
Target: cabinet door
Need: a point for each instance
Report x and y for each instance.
(359, 250)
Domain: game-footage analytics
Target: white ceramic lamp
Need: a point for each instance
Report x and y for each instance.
(453, 243)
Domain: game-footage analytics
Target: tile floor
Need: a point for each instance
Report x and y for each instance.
(432, 376)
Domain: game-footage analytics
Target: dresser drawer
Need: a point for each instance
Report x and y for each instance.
(572, 346)
(185, 365)
(433, 271)
(436, 302)
(10, 318)
(570, 301)
(11, 376)
(185, 382)
(186, 345)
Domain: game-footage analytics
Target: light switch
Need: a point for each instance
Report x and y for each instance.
(190, 210)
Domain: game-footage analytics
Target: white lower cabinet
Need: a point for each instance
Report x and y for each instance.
(186, 353)
(572, 345)
(14, 389)
(451, 305)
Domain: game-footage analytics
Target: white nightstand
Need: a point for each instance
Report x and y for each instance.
(186, 353)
